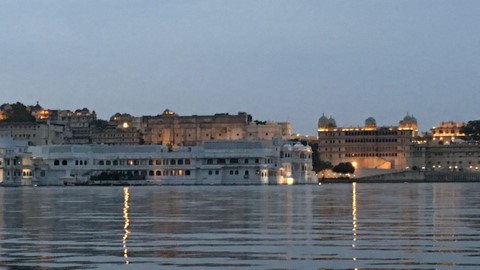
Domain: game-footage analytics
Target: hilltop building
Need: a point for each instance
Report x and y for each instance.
(172, 129)
(446, 132)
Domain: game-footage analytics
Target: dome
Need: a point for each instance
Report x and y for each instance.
(323, 121)
(287, 147)
(409, 118)
(168, 112)
(298, 146)
(370, 122)
(332, 122)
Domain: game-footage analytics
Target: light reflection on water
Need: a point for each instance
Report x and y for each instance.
(342, 226)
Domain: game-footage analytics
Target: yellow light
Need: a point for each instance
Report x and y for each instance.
(290, 181)
(125, 125)
(126, 225)
(354, 164)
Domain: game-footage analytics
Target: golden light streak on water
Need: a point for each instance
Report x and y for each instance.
(126, 195)
(354, 214)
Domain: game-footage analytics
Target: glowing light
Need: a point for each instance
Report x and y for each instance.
(125, 125)
(290, 181)
(354, 214)
(354, 164)
(126, 195)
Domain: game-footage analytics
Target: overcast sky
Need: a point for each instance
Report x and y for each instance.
(277, 60)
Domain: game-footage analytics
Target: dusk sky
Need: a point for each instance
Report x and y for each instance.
(277, 60)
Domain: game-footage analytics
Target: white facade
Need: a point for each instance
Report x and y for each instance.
(215, 162)
(16, 164)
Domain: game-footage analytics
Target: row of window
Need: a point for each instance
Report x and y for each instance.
(170, 173)
(371, 154)
(446, 132)
(28, 136)
(454, 162)
(137, 162)
(24, 173)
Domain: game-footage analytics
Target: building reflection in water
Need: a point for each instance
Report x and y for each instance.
(126, 195)
(354, 215)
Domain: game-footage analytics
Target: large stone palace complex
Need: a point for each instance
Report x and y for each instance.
(370, 146)
(376, 149)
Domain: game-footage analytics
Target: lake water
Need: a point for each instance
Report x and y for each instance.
(340, 226)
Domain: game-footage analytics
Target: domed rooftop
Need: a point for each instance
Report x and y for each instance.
(298, 146)
(324, 122)
(370, 122)
(332, 122)
(168, 112)
(287, 147)
(409, 118)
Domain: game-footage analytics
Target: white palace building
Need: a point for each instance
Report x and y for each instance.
(214, 162)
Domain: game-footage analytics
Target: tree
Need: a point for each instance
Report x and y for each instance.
(472, 130)
(19, 113)
(344, 168)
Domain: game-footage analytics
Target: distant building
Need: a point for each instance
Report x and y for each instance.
(446, 132)
(34, 133)
(175, 130)
(448, 157)
(117, 136)
(367, 147)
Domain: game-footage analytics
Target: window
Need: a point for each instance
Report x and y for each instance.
(115, 163)
(172, 162)
(187, 161)
(180, 162)
(187, 172)
(108, 163)
(233, 161)
(55, 163)
(217, 172)
(210, 173)
(221, 161)
(101, 162)
(231, 172)
(159, 173)
(151, 173)
(209, 161)
(64, 162)
(236, 172)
